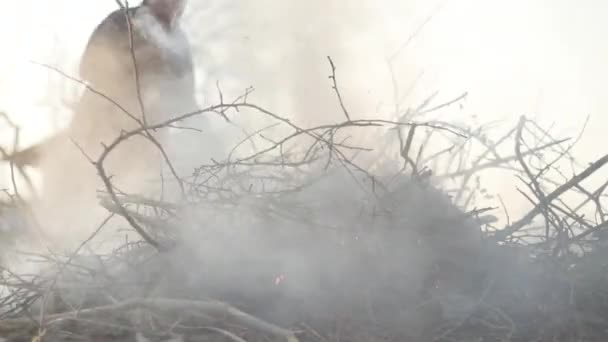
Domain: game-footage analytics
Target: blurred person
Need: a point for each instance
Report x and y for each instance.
(138, 68)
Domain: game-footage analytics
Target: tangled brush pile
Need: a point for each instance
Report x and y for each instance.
(297, 240)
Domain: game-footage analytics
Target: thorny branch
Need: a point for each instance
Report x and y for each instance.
(593, 167)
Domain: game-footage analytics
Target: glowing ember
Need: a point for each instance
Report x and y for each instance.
(279, 279)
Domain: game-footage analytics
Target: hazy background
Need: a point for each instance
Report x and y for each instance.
(542, 58)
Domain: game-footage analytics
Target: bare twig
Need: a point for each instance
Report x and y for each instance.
(332, 77)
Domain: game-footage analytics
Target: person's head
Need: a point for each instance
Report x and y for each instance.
(168, 12)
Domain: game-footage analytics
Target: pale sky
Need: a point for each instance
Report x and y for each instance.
(542, 58)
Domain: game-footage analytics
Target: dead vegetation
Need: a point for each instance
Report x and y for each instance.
(308, 234)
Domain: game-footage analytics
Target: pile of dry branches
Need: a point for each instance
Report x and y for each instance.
(308, 234)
